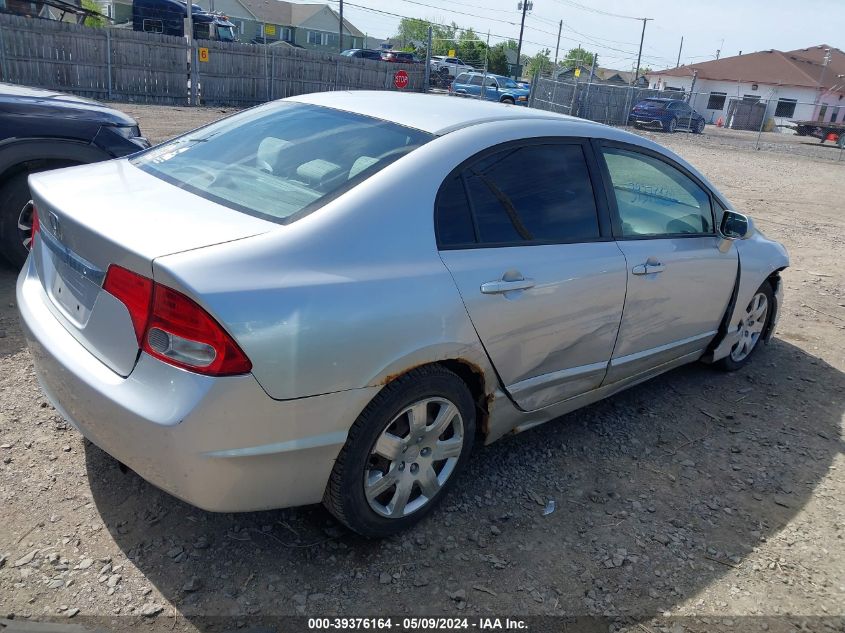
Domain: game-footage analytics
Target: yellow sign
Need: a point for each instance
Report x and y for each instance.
(451, 52)
(269, 29)
(203, 54)
(577, 72)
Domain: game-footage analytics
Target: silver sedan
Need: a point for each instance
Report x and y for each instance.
(314, 301)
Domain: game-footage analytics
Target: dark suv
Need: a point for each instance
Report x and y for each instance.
(41, 130)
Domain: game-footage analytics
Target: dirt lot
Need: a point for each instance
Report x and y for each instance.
(703, 495)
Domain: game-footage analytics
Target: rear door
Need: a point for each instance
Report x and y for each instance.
(528, 244)
(679, 281)
(684, 115)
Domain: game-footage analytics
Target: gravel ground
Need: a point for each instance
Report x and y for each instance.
(709, 496)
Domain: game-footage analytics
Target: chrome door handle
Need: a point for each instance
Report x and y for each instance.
(499, 286)
(648, 269)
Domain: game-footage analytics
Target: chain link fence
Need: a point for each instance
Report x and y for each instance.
(769, 119)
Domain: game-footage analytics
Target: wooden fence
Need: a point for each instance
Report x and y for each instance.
(124, 65)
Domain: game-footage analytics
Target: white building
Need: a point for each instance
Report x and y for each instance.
(804, 84)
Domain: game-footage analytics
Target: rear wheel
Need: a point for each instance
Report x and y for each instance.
(671, 126)
(403, 453)
(752, 327)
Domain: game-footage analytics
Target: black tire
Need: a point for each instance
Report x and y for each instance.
(14, 196)
(671, 126)
(345, 496)
(728, 363)
(508, 100)
(699, 127)
(637, 126)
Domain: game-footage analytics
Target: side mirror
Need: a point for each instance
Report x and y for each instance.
(735, 226)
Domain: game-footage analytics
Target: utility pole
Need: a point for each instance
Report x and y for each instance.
(640, 53)
(557, 48)
(524, 5)
(340, 30)
(427, 80)
(680, 48)
(192, 67)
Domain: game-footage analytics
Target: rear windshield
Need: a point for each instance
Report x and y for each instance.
(657, 105)
(282, 160)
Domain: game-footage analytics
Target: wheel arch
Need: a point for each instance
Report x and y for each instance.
(36, 153)
(474, 369)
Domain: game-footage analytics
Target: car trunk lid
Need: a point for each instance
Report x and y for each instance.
(113, 213)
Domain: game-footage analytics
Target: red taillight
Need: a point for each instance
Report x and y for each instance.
(36, 226)
(173, 328)
(133, 291)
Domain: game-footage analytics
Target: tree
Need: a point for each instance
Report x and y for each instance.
(535, 65)
(497, 61)
(93, 20)
(578, 56)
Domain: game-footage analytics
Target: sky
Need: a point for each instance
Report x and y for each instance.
(706, 26)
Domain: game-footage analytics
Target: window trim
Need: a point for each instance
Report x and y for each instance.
(603, 214)
(616, 219)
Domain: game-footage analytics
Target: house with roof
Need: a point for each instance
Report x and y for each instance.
(307, 25)
(804, 84)
(600, 75)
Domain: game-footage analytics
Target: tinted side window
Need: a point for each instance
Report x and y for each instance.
(654, 198)
(475, 80)
(453, 219)
(462, 78)
(536, 193)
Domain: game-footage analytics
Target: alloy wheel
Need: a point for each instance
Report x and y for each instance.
(25, 225)
(751, 327)
(413, 457)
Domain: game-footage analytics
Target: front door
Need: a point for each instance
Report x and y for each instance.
(543, 285)
(679, 281)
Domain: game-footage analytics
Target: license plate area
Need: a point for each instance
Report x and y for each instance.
(71, 282)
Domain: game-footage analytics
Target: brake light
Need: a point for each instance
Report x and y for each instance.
(133, 291)
(36, 227)
(174, 328)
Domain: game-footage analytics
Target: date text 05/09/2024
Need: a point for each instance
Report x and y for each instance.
(417, 624)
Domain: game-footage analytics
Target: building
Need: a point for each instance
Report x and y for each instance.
(804, 84)
(313, 26)
(600, 75)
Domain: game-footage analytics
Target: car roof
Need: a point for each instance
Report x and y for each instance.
(435, 114)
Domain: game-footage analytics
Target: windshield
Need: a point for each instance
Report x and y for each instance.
(226, 33)
(281, 160)
(508, 83)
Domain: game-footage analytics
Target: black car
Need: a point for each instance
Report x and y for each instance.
(667, 115)
(41, 130)
(366, 53)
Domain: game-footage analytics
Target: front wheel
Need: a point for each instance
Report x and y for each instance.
(508, 100)
(752, 327)
(699, 127)
(15, 219)
(671, 126)
(403, 453)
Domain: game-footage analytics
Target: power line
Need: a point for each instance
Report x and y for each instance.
(596, 11)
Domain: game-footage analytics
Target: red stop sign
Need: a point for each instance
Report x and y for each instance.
(401, 79)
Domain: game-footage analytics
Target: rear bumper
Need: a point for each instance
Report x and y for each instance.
(220, 444)
(646, 121)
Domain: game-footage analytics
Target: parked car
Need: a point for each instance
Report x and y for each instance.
(242, 316)
(362, 52)
(496, 88)
(43, 129)
(399, 57)
(453, 65)
(667, 115)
